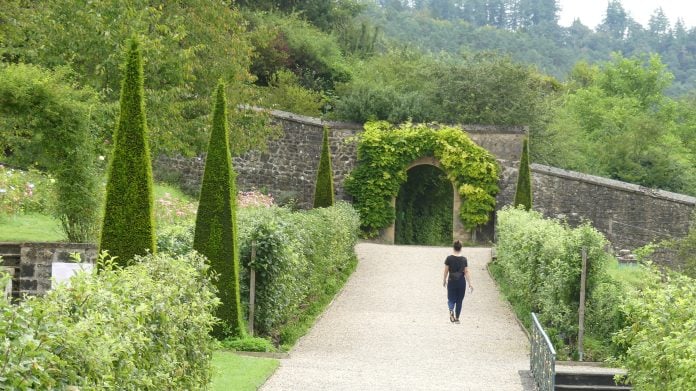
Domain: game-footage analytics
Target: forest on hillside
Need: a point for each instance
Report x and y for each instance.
(616, 100)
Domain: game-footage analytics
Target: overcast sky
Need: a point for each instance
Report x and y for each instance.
(591, 12)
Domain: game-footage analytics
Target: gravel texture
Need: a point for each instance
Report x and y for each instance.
(389, 329)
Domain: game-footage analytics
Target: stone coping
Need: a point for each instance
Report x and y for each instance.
(614, 184)
(470, 128)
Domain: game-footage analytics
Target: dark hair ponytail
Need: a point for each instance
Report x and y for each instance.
(457, 245)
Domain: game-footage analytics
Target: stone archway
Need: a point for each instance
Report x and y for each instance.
(458, 230)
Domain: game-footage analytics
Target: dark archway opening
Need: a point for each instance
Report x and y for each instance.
(424, 208)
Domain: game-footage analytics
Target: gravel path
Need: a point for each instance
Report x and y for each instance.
(389, 330)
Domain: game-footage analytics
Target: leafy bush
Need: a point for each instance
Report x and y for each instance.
(302, 259)
(249, 344)
(25, 192)
(143, 327)
(129, 226)
(540, 259)
(659, 340)
(300, 256)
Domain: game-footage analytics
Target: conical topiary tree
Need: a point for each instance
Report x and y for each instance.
(324, 188)
(216, 222)
(523, 193)
(128, 227)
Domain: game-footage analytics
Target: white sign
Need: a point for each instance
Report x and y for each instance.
(63, 271)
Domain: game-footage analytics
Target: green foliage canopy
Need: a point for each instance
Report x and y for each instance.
(129, 220)
(216, 221)
(189, 45)
(384, 153)
(615, 121)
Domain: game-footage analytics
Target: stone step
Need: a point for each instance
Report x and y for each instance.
(595, 380)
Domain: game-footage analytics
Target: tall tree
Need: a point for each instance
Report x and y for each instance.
(128, 228)
(324, 185)
(615, 20)
(215, 234)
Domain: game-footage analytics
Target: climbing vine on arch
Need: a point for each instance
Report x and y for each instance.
(384, 153)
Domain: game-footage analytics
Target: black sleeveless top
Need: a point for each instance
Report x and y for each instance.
(456, 264)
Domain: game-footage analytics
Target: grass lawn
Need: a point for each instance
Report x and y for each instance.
(30, 228)
(43, 228)
(241, 373)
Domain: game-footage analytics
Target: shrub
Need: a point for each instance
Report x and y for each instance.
(128, 228)
(324, 186)
(249, 344)
(540, 259)
(216, 221)
(302, 259)
(143, 327)
(523, 191)
(299, 256)
(659, 340)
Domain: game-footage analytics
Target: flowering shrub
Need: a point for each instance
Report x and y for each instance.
(171, 210)
(144, 327)
(254, 198)
(25, 191)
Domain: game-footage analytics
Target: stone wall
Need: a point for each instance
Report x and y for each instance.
(629, 215)
(288, 168)
(31, 263)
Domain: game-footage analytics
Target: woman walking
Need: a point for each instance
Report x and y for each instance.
(456, 277)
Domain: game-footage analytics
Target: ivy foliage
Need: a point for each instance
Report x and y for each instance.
(129, 218)
(216, 229)
(324, 187)
(424, 208)
(523, 191)
(384, 153)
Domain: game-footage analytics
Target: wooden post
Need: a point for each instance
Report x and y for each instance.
(581, 310)
(252, 289)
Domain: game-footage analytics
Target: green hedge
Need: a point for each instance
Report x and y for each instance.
(659, 341)
(145, 327)
(539, 262)
(302, 259)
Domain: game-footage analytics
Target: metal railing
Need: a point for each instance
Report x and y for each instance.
(542, 361)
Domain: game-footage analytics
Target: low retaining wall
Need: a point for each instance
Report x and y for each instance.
(32, 263)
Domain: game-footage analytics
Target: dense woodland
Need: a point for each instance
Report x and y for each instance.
(616, 100)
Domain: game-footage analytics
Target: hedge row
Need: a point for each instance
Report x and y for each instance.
(540, 261)
(144, 327)
(301, 258)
